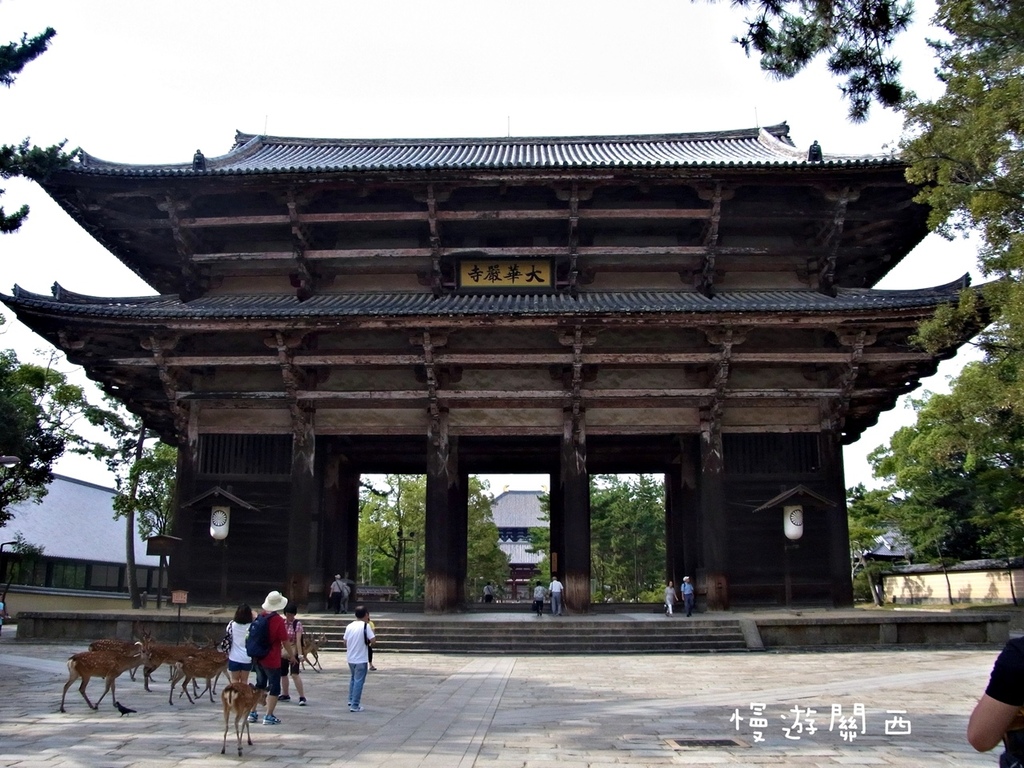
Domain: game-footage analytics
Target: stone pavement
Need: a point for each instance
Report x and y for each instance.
(527, 712)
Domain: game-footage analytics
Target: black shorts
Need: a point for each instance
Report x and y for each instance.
(289, 667)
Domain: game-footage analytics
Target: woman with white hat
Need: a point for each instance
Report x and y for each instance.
(268, 666)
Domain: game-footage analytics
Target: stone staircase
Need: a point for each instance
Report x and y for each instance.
(400, 633)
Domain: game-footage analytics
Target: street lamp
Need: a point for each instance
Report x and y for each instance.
(9, 461)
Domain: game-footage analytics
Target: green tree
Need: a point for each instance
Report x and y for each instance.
(485, 561)
(24, 159)
(391, 526)
(967, 150)
(627, 514)
(855, 36)
(392, 513)
(144, 479)
(956, 477)
(39, 414)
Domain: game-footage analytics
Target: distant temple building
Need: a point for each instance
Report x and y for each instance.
(515, 513)
(82, 543)
(694, 305)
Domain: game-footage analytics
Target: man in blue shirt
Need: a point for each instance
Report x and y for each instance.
(688, 595)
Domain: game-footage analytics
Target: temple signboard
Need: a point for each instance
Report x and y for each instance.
(476, 274)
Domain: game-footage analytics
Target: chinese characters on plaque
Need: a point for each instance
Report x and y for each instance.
(505, 274)
(804, 722)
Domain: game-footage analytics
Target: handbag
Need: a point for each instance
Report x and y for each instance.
(224, 646)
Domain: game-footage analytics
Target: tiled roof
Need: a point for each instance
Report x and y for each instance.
(75, 520)
(518, 554)
(518, 509)
(270, 154)
(256, 307)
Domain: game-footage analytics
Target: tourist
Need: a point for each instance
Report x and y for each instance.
(268, 666)
(687, 595)
(3, 611)
(334, 593)
(997, 715)
(670, 597)
(488, 593)
(358, 639)
(538, 599)
(291, 666)
(555, 591)
(239, 663)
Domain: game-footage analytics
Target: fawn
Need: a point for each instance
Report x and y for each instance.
(241, 699)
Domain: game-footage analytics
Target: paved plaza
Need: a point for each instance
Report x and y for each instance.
(870, 708)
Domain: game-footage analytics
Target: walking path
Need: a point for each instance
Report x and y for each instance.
(898, 708)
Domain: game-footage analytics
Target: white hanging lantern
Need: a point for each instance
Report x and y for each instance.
(220, 522)
(793, 521)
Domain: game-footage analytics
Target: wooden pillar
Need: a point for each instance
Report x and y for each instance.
(441, 548)
(556, 528)
(459, 504)
(689, 503)
(831, 455)
(574, 564)
(340, 523)
(673, 527)
(300, 508)
(180, 570)
(714, 523)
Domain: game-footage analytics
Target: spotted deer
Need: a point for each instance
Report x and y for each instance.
(106, 664)
(240, 699)
(206, 664)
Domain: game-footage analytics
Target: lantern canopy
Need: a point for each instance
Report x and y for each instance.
(793, 502)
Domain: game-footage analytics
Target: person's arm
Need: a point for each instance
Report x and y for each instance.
(989, 722)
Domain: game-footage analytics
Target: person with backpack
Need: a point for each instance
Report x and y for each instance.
(335, 594)
(267, 634)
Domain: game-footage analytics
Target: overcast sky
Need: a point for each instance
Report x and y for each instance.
(139, 82)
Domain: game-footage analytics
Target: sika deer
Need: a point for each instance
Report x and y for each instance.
(240, 698)
(204, 664)
(311, 646)
(163, 653)
(106, 664)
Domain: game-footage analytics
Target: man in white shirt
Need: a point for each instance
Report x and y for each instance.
(556, 596)
(358, 638)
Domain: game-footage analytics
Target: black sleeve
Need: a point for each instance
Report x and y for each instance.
(1006, 683)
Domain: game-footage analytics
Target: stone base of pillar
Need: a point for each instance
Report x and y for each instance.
(440, 594)
(576, 593)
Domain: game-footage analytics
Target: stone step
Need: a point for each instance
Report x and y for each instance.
(542, 635)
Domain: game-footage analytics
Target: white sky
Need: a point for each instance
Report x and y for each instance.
(139, 82)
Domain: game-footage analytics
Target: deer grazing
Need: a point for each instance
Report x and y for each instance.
(240, 699)
(206, 663)
(106, 664)
(311, 645)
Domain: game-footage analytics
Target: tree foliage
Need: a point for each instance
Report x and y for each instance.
(24, 159)
(967, 150)
(955, 479)
(855, 36)
(391, 527)
(39, 413)
(627, 544)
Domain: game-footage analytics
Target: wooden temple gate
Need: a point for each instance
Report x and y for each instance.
(697, 305)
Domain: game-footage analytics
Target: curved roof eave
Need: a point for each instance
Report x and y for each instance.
(67, 304)
(756, 148)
